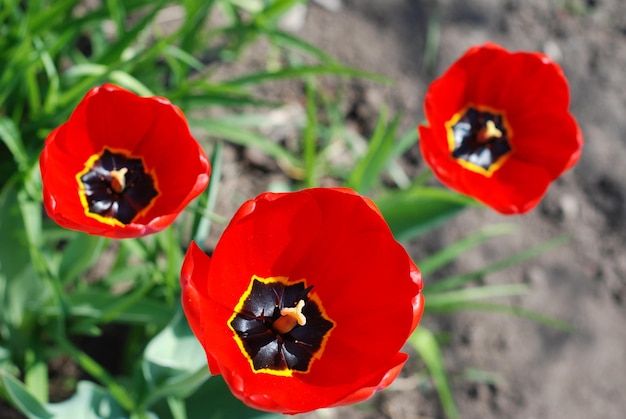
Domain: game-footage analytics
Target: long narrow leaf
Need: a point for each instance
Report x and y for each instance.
(246, 138)
(310, 137)
(426, 346)
(462, 279)
(10, 136)
(119, 393)
(411, 212)
(206, 203)
(450, 253)
(315, 70)
(501, 308)
(115, 51)
(288, 41)
(474, 293)
(367, 167)
(21, 398)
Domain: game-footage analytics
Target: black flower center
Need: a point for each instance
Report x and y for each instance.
(115, 186)
(279, 327)
(479, 139)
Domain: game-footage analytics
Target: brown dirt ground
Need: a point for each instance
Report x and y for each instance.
(539, 372)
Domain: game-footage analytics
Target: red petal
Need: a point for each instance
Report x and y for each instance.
(266, 392)
(515, 188)
(118, 119)
(340, 244)
(376, 384)
(553, 141)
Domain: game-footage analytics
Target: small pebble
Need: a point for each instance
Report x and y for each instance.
(569, 206)
(330, 5)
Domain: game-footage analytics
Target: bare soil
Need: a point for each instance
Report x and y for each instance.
(535, 371)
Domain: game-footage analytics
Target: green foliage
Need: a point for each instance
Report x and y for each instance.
(58, 287)
(427, 347)
(14, 391)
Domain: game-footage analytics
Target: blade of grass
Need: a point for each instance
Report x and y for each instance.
(117, 14)
(194, 22)
(10, 136)
(426, 346)
(450, 253)
(370, 166)
(54, 81)
(299, 72)
(21, 398)
(177, 407)
(44, 18)
(474, 293)
(287, 41)
(408, 140)
(36, 375)
(411, 212)
(119, 393)
(201, 225)
(310, 137)
(501, 308)
(462, 279)
(269, 16)
(125, 39)
(246, 138)
(433, 37)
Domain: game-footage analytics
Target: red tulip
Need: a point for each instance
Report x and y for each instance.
(122, 165)
(306, 301)
(499, 127)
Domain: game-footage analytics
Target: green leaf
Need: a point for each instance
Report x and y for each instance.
(79, 255)
(36, 374)
(126, 38)
(252, 6)
(376, 159)
(101, 306)
(462, 279)
(116, 392)
(173, 352)
(405, 142)
(124, 79)
(501, 308)
(90, 402)
(288, 41)
(426, 346)
(21, 398)
(298, 72)
(474, 293)
(450, 253)
(206, 203)
(310, 137)
(194, 22)
(174, 363)
(411, 212)
(246, 138)
(10, 136)
(213, 400)
(22, 289)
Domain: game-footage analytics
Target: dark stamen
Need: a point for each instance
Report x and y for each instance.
(289, 338)
(117, 186)
(479, 138)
